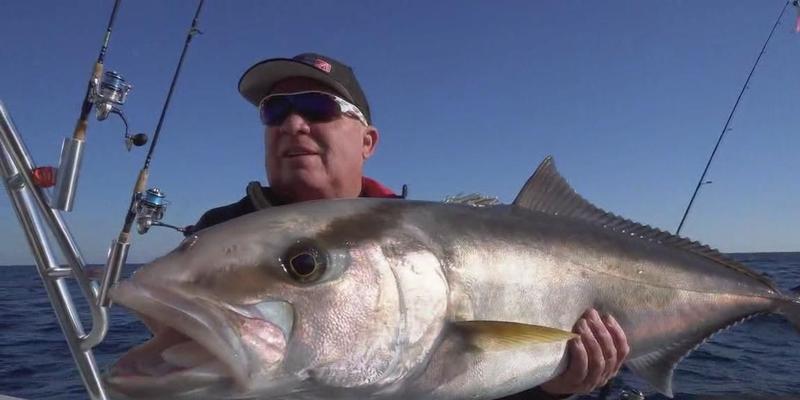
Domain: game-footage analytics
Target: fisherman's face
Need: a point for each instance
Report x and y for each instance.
(308, 160)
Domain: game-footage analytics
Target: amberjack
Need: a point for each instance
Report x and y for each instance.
(400, 299)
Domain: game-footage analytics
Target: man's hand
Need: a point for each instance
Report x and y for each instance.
(594, 357)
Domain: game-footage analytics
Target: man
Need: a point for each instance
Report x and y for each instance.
(318, 135)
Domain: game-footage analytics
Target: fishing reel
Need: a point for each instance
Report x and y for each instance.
(150, 208)
(108, 96)
(109, 93)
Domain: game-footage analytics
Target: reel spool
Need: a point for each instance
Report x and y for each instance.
(110, 93)
(150, 208)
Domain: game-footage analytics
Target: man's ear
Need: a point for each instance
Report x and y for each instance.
(370, 142)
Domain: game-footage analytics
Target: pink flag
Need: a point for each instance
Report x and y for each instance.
(797, 21)
(796, 5)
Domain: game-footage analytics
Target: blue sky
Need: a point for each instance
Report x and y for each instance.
(629, 97)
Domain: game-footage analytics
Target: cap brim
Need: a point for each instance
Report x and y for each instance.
(257, 81)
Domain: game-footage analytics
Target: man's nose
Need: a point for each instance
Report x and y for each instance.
(295, 124)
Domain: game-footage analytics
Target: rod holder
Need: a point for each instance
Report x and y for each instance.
(68, 173)
(117, 255)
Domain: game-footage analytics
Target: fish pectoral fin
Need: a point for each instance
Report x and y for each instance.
(501, 335)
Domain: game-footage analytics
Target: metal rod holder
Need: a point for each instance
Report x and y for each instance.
(117, 255)
(68, 173)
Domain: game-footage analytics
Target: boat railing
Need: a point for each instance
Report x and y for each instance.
(37, 217)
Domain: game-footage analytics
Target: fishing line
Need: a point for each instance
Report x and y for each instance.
(192, 32)
(730, 117)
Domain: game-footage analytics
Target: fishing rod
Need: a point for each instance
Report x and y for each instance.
(147, 207)
(86, 107)
(725, 128)
(106, 92)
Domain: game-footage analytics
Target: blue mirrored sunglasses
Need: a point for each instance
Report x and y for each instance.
(313, 106)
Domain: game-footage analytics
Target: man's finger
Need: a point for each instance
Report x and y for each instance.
(607, 345)
(620, 340)
(571, 380)
(597, 362)
(578, 363)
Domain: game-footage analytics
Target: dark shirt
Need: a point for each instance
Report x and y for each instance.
(221, 214)
(259, 197)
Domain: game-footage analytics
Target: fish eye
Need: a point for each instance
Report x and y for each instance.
(305, 263)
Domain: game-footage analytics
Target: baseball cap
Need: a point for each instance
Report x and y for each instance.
(259, 79)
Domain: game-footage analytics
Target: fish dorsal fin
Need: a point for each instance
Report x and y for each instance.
(548, 192)
(501, 335)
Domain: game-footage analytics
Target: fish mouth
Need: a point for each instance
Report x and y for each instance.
(198, 345)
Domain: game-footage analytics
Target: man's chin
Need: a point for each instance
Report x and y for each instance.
(302, 187)
(313, 161)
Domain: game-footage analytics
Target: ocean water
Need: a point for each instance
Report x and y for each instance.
(759, 359)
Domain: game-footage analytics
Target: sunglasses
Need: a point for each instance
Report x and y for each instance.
(313, 106)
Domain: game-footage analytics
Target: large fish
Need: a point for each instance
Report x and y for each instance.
(376, 298)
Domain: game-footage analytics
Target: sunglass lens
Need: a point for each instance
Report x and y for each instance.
(275, 110)
(316, 107)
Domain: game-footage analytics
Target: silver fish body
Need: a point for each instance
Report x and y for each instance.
(369, 298)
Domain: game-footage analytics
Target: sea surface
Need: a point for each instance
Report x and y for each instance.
(759, 359)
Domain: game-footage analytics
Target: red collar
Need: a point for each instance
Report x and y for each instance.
(373, 188)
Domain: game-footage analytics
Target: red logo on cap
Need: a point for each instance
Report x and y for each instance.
(323, 65)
